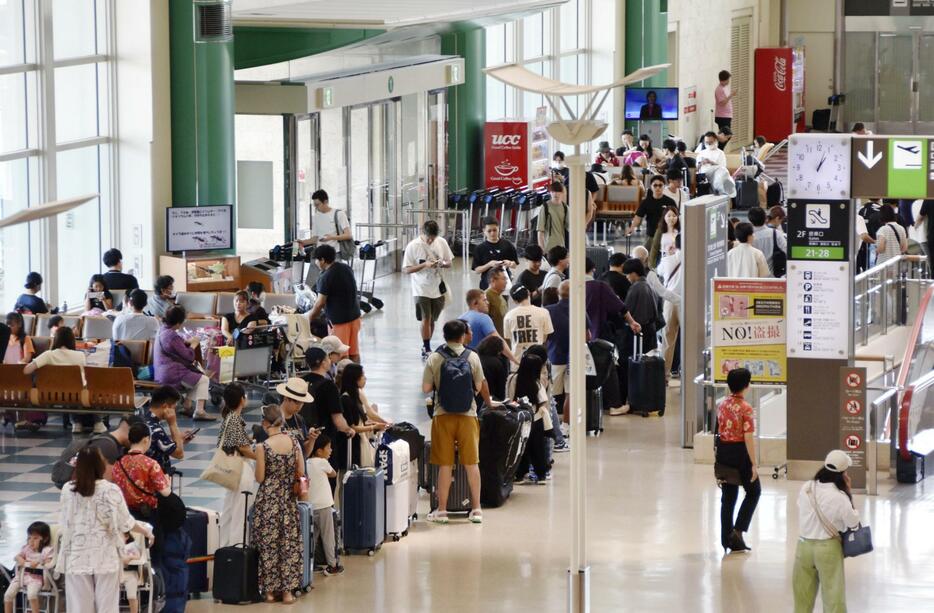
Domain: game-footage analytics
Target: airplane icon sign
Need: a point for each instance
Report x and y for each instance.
(913, 149)
(906, 155)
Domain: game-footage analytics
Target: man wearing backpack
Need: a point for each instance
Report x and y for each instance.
(454, 375)
(113, 445)
(552, 222)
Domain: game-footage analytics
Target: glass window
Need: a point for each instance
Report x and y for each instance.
(533, 36)
(16, 19)
(568, 24)
(78, 28)
(496, 45)
(860, 76)
(18, 112)
(495, 98)
(80, 101)
(82, 231)
(17, 191)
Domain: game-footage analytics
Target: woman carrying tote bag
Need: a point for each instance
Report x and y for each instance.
(823, 503)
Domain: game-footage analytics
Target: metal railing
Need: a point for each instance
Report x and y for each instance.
(884, 294)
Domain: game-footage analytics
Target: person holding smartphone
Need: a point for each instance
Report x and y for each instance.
(425, 257)
(166, 445)
(98, 299)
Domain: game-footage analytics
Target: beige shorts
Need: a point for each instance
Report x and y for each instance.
(559, 379)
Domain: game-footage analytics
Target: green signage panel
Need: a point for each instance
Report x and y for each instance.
(907, 165)
(818, 253)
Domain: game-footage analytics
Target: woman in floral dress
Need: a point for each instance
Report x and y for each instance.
(275, 514)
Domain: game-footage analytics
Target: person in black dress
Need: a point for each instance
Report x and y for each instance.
(495, 364)
(242, 321)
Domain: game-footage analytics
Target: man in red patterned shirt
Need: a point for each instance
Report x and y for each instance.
(736, 449)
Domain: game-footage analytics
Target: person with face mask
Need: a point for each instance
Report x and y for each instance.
(710, 157)
(164, 297)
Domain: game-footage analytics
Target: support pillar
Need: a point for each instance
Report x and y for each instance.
(466, 109)
(202, 81)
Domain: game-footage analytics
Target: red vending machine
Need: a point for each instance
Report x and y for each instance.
(516, 153)
(779, 109)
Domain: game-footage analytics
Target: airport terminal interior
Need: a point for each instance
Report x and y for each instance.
(645, 288)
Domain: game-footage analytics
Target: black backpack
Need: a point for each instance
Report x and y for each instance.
(455, 387)
(779, 258)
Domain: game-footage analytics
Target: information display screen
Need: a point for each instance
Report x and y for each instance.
(652, 103)
(199, 228)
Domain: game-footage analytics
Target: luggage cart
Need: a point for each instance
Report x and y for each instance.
(367, 286)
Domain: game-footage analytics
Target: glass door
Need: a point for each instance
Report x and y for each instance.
(307, 164)
(437, 150)
(925, 84)
(895, 64)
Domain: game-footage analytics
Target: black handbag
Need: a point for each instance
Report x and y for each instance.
(726, 474)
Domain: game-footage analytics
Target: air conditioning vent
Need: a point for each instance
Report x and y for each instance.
(213, 23)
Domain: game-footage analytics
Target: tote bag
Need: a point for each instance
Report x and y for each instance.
(224, 469)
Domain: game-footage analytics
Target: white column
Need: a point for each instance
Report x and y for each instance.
(579, 571)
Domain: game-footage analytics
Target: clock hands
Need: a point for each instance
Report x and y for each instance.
(821, 163)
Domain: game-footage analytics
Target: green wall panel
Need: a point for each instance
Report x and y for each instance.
(257, 46)
(466, 109)
(647, 39)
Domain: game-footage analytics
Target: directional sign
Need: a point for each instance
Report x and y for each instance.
(892, 167)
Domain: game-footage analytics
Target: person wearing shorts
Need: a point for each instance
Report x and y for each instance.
(455, 431)
(337, 297)
(424, 258)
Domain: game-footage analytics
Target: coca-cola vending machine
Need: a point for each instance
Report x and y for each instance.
(779, 92)
(516, 153)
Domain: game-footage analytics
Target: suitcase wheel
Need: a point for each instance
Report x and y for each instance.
(376, 302)
(395, 539)
(372, 552)
(365, 307)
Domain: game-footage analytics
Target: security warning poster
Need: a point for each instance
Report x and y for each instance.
(749, 328)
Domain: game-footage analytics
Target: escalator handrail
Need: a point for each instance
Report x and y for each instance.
(905, 371)
(904, 411)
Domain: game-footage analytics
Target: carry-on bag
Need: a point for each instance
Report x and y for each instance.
(405, 431)
(594, 412)
(747, 194)
(424, 468)
(646, 381)
(203, 527)
(307, 527)
(504, 434)
(458, 495)
(363, 509)
(393, 460)
(236, 569)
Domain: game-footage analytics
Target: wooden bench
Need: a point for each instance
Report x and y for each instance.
(64, 389)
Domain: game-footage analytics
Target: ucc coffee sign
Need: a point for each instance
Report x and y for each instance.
(507, 154)
(892, 167)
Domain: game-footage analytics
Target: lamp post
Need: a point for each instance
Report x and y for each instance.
(574, 130)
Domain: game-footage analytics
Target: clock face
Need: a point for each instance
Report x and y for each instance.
(819, 166)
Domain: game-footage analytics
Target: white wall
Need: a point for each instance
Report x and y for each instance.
(704, 50)
(144, 133)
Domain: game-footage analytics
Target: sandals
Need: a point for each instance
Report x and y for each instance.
(475, 517)
(438, 517)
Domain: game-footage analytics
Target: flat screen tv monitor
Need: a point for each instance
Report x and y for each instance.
(199, 228)
(652, 103)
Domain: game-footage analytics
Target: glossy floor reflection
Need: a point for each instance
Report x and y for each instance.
(652, 513)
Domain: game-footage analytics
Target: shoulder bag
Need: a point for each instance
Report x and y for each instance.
(721, 472)
(856, 541)
(225, 469)
(346, 247)
(779, 258)
(300, 483)
(170, 511)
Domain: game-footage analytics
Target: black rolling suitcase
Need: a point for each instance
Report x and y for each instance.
(424, 468)
(646, 381)
(775, 194)
(236, 569)
(747, 195)
(595, 411)
(600, 256)
(504, 433)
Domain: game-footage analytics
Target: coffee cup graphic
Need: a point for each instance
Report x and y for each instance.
(506, 169)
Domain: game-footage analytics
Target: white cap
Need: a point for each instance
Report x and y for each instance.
(837, 461)
(333, 344)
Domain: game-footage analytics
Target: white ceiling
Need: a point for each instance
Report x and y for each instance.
(382, 14)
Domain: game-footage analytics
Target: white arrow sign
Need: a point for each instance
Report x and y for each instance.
(869, 160)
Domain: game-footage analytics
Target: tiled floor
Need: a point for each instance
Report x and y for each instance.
(652, 517)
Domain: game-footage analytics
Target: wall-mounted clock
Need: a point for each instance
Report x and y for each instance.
(819, 166)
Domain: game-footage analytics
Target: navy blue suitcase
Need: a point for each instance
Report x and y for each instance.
(307, 528)
(363, 510)
(196, 525)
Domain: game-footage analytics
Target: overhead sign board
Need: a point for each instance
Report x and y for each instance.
(892, 167)
(819, 230)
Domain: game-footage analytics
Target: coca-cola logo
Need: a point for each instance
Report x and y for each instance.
(778, 74)
(506, 140)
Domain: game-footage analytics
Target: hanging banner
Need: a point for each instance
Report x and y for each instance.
(506, 154)
(749, 328)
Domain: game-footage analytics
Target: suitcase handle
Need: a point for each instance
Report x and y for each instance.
(636, 345)
(246, 512)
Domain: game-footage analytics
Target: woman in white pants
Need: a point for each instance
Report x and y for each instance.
(673, 271)
(233, 438)
(94, 519)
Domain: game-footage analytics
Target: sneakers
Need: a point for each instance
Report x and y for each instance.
(620, 410)
(562, 447)
(204, 416)
(333, 570)
(77, 428)
(99, 427)
(475, 517)
(437, 517)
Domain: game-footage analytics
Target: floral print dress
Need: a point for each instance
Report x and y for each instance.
(276, 531)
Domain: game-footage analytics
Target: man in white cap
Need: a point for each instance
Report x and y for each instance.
(336, 349)
(294, 393)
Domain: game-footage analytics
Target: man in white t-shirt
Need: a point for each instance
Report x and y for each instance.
(321, 499)
(525, 325)
(328, 227)
(424, 258)
(710, 157)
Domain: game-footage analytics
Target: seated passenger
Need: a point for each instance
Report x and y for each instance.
(64, 353)
(174, 363)
(163, 298)
(605, 155)
(257, 293)
(132, 324)
(29, 301)
(115, 278)
(98, 300)
(242, 320)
